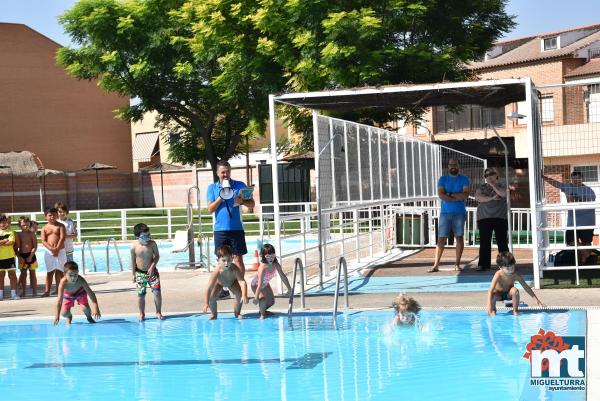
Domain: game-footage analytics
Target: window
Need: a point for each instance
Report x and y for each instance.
(467, 118)
(588, 173)
(547, 108)
(550, 43)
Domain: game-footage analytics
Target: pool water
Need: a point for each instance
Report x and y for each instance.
(168, 258)
(455, 356)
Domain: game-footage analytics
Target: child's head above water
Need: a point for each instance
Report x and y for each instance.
(506, 261)
(407, 309)
(267, 254)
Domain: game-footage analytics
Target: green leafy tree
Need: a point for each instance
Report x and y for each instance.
(195, 63)
(207, 66)
(330, 44)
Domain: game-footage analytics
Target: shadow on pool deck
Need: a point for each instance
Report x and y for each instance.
(418, 264)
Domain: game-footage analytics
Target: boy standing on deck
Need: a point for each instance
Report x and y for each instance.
(144, 257)
(53, 239)
(70, 228)
(25, 246)
(7, 257)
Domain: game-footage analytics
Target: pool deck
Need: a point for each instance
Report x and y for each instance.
(182, 291)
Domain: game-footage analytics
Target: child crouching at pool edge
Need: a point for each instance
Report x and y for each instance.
(73, 288)
(503, 287)
(227, 274)
(263, 293)
(407, 310)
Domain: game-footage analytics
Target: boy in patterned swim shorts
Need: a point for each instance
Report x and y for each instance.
(144, 257)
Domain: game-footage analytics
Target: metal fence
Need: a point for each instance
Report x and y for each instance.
(569, 116)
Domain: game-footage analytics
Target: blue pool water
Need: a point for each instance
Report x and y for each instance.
(168, 259)
(455, 356)
(463, 282)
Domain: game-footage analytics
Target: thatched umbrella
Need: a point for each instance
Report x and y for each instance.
(23, 164)
(96, 167)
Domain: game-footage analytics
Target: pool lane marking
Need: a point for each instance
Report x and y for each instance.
(306, 361)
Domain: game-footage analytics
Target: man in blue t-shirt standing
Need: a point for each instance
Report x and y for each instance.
(228, 228)
(453, 190)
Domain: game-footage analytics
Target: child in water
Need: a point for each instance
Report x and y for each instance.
(263, 293)
(407, 310)
(73, 288)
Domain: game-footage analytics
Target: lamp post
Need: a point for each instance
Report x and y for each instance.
(12, 187)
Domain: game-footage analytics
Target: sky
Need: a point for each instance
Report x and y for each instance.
(532, 16)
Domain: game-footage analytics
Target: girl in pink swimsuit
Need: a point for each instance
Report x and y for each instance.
(263, 293)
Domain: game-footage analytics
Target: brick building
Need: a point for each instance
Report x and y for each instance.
(570, 114)
(65, 122)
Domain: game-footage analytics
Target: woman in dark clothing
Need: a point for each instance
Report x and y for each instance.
(491, 217)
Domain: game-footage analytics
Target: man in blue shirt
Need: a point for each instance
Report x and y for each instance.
(228, 228)
(453, 190)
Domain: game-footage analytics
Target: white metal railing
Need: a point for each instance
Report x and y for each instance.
(118, 223)
(427, 217)
(552, 218)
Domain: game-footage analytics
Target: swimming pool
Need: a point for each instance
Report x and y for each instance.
(457, 355)
(168, 259)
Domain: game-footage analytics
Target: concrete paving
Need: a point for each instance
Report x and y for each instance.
(183, 291)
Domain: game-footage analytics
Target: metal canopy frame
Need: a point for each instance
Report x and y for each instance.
(491, 93)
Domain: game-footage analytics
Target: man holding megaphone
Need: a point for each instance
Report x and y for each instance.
(224, 200)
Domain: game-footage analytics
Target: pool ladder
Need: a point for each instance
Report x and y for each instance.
(89, 247)
(341, 266)
(88, 243)
(114, 242)
(341, 263)
(297, 265)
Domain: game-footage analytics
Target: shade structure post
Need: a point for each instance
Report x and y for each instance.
(97, 190)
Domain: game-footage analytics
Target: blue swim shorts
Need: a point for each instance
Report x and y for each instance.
(454, 222)
(235, 239)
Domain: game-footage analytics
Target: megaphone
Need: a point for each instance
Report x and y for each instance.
(226, 192)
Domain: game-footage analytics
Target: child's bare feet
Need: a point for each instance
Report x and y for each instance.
(212, 317)
(68, 320)
(457, 268)
(159, 316)
(46, 294)
(516, 312)
(141, 317)
(240, 316)
(90, 320)
(434, 269)
(262, 316)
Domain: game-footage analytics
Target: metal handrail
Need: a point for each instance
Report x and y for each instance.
(114, 241)
(89, 244)
(297, 264)
(341, 262)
